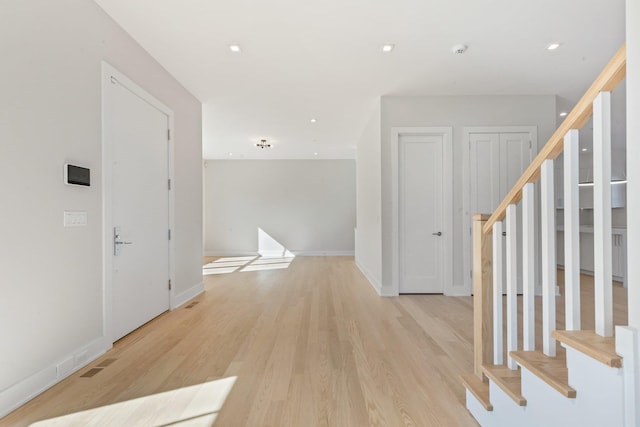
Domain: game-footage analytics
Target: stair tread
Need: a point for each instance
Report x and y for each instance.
(508, 380)
(478, 388)
(602, 349)
(552, 370)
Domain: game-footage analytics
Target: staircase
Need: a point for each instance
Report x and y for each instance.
(573, 377)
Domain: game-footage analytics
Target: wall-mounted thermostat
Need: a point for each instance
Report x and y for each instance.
(76, 175)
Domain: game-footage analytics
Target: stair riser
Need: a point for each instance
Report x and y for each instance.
(481, 415)
(598, 386)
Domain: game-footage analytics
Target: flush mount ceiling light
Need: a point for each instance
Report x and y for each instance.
(553, 46)
(459, 49)
(388, 47)
(313, 120)
(235, 48)
(564, 113)
(315, 154)
(263, 144)
(584, 150)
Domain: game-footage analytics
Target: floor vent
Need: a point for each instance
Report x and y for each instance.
(91, 372)
(105, 363)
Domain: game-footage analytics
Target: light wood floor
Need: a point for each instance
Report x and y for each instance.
(309, 345)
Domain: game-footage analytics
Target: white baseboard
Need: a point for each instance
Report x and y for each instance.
(323, 253)
(183, 297)
(296, 253)
(25, 390)
(227, 253)
(373, 281)
(387, 291)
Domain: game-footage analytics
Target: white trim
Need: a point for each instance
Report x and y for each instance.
(30, 387)
(273, 156)
(230, 254)
(373, 281)
(628, 346)
(108, 72)
(447, 206)
(187, 295)
(279, 253)
(466, 188)
(323, 253)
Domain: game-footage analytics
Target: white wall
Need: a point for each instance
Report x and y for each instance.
(368, 196)
(456, 111)
(308, 206)
(633, 158)
(51, 307)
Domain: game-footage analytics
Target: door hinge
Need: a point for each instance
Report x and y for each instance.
(169, 284)
(168, 134)
(169, 181)
(169, 234)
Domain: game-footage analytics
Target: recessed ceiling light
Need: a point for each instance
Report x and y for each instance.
(314, 120)
(230, 154)
(234, 48)
(388, 47)
(564, 113)
(459, 49)
(584, 149)
(263, 144)
(553, 46)
(315, 154)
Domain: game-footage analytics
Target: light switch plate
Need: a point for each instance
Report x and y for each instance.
(75, 218)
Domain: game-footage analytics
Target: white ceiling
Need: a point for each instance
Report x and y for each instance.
(322, 59)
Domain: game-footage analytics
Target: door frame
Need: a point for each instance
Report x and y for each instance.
(447, 205)
(466, 187)
(108, 73)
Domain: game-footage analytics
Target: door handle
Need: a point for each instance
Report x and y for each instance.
(439, 233)
(117, 242)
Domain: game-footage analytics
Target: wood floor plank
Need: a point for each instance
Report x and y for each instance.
(309, 345)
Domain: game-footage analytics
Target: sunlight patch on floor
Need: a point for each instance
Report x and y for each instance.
(197, 405)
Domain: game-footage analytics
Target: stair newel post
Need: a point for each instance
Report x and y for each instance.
(482, 295)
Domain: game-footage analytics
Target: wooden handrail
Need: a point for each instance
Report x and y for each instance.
(608, 79)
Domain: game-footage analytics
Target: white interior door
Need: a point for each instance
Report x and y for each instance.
(137, 135)
(497, 160)
(484, 174)
(420, 213)
(516, 154)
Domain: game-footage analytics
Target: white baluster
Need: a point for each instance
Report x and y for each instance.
(602, 214)
(512, 284)
(571, 231)
(549, 268)
(528, 268)
(498, 352)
